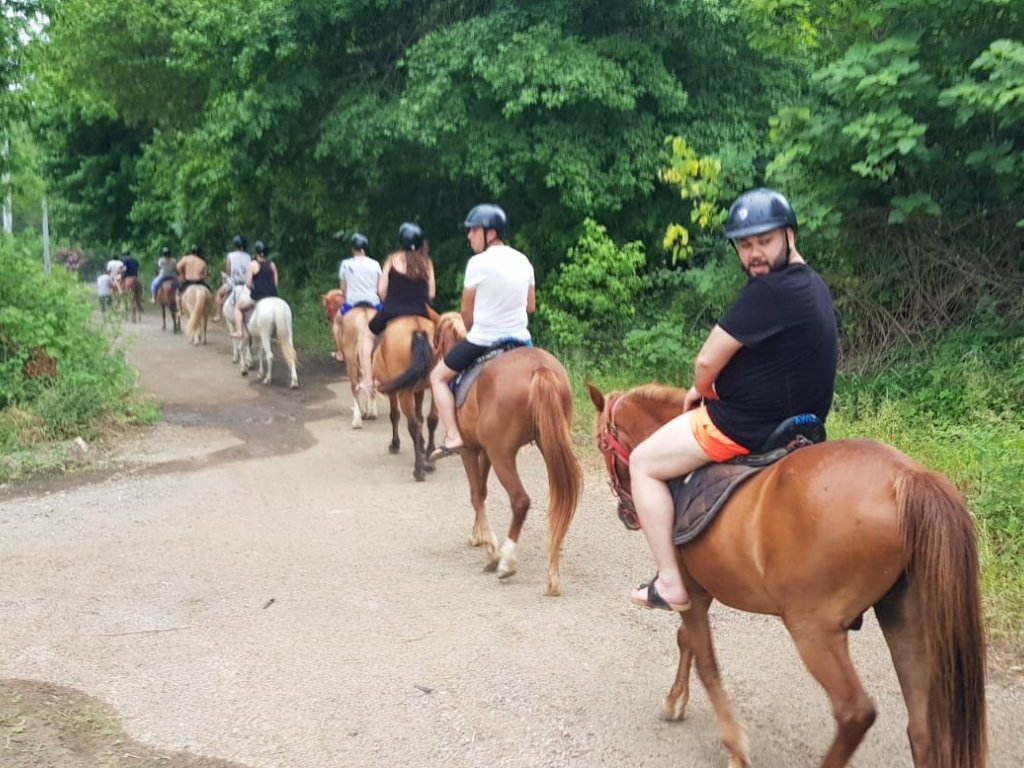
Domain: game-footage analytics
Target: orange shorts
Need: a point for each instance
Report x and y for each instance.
(715, 444)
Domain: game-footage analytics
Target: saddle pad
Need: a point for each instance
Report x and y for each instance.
(699, 496)
(467, 378)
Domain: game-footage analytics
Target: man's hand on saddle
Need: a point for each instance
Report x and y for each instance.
(692, 400)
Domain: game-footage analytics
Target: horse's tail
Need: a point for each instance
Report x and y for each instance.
(195, 308)
(283, 323)
(420, 365)
(551, 408)
(943, 572)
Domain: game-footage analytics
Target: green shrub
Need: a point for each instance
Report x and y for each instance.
(59, 377)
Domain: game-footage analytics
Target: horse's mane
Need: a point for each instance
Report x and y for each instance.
(450, 331)
(658, 394)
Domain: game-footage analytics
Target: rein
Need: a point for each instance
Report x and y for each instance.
(616, 455)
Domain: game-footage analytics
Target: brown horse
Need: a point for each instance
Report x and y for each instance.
(817, 539)
(402, 363)
(521, 396)
(197, 305)
(331, 302)
(167, 298)
(128, 297)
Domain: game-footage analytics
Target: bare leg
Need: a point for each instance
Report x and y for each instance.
(670, 452)
(445, 400)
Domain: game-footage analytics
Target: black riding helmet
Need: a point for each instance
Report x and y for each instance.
(260, 249)
(240, 242)
(165, 251)
(757, 211)
(359, 242)
(195, 250)
(488, 216)
(410, 236)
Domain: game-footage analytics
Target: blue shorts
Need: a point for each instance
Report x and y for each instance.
(346, 307)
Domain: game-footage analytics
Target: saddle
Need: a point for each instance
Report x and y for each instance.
(464, 382)
(700, 495)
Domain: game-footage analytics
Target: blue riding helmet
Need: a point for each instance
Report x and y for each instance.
(757, 211)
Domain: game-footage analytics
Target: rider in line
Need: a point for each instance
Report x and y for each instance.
(191, 271)
(771, 356)
(166, 269)
(104, 290)
(236, 264)
(114, 268)
(261, 282)
(405, 287)
(358, 276)
(497, 297)
(131, 265)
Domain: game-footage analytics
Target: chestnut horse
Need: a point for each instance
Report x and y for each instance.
(331, 302)
(355, 328)
(128, 297)
(167, 298)
(817, 539)
(521, 396)
(402, 363)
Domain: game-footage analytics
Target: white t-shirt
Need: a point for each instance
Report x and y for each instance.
(360, 274)
(502, 277)
(114, 267)
(239, 261)
(103, 285)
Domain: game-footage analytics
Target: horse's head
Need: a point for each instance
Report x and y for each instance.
(332, 301)
(449, 331)
(624, 420)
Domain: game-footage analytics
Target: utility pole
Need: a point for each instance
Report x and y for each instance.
(5, 184)
(46, 238)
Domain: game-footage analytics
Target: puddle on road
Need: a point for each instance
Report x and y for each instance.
(271, 424)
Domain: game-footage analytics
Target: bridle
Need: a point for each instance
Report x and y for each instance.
(616, 458)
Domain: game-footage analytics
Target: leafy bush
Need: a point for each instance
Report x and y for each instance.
(59, 377)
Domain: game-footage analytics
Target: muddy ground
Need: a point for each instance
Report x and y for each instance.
(252, 583)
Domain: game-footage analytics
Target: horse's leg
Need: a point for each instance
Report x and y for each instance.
(508, 474)
(478, 467)
(822, 644)
(268, 355)
(899, 616)
(432, 420)
(396, 416)
(413, 407)
(694, 640)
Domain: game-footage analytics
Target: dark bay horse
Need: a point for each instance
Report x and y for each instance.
(402, 363)
(817, 539)
(167, 298)
(522, 396)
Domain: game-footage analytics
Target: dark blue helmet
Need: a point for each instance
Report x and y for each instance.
(488, 216)
(757, 211)
(261, 248)
(410, 236)
(359, 242)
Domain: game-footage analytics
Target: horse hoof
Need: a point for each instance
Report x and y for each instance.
(503, 574)
(429, 468)
(420, 477)
(392, 449)
(293, 385)
(491, 567)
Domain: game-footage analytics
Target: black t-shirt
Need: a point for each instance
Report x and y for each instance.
(787, 325)
(131, 266)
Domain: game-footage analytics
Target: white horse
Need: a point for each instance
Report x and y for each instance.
(273, 315)
(241, 349)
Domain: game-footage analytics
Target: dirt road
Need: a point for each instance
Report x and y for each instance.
(262, 585)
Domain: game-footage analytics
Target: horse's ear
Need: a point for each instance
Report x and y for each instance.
(596, 397)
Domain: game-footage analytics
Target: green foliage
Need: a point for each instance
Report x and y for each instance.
(59, 378)
(590, 301)
(697, 179)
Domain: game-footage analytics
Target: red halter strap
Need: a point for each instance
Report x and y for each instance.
(616, 455)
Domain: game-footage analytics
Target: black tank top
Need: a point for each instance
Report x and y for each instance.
(405, 295)
(263, 282)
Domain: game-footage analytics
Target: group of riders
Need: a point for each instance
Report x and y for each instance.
(772, 355)
(250, 277)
